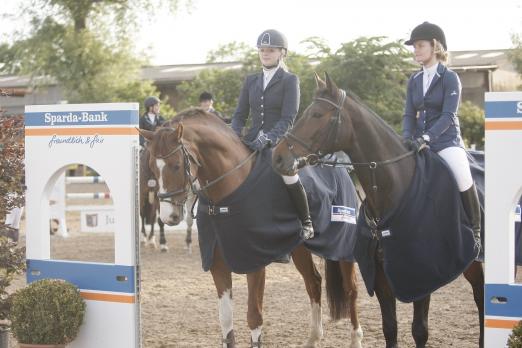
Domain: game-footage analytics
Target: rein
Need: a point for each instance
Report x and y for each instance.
(189, 178)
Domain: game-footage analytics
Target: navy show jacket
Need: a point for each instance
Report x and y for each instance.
(434, 113)
(272, 110)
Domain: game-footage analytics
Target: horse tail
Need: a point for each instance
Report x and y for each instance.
(338, 299)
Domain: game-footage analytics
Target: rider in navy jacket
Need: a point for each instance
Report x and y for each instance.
(272, 109)
(271, 99)
(430, 115)
(434, 113)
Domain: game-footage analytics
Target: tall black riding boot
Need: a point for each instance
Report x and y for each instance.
(472, 207)
(300, 200)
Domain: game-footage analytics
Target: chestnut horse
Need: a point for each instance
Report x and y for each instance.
(200, 146)
(149, 207)
(335, 121)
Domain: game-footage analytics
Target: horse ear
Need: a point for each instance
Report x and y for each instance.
(319, 83)
(330, 85)
(146, 133)
(179, 131)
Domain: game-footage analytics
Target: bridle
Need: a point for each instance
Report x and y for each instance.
(189, 181)
(334, 124)
(316, 156)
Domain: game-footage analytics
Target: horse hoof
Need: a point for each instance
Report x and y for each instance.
(164, 248)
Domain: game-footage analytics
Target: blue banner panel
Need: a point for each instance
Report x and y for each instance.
(85, 275)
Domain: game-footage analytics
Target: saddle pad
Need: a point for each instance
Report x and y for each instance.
(427, 242)
(258, 223)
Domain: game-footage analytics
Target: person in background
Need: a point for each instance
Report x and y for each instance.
(206, 102)
(151, 119)
(430, 115)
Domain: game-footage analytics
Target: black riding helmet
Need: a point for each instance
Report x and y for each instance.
(151, 101)
(272, 38)
(427, 31)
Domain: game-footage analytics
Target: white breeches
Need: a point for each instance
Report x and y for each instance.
(457, 160)
(289, 180)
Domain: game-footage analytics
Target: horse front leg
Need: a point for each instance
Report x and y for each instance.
(163, 241)
(312, 278)
(223, 281)
(419, 326)
(190, 221)
(387, 303)
(350, 288)
(475, 276)
(256, 290)
(152, 238)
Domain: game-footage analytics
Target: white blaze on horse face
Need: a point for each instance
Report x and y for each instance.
(166, 209)
(226, 307)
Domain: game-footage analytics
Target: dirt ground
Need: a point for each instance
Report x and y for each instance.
(179, 307)
(179, 302)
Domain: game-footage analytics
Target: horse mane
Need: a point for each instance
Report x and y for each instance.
(197, 113)
(364, 107)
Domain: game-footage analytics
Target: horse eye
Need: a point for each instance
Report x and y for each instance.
(176, 167)
(316, 115)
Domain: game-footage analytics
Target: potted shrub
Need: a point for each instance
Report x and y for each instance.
(12, 262)
(47, 313)
(515, 339)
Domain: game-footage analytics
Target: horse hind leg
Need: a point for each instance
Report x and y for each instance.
(349, 281)
(312, 278)
(419, 326)
(475, 276)
(222, 277)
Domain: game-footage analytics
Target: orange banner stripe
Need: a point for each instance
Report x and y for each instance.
(80, 131)
(506, 125)
(108, 297)
(500, 324)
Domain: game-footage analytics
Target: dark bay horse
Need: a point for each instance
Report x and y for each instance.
(149, 207)
(199, 145)
(335, 121)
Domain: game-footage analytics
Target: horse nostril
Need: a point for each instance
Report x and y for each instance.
(279, 159)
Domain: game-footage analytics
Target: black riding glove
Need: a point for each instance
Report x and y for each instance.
(416, 145)
(261, 142)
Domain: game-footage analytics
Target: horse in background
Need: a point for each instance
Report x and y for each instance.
(335, 121)
(199, 146)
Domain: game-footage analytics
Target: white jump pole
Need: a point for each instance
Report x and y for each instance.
(503, 298)
(103, 137)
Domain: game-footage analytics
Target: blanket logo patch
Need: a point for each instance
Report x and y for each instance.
(518, 213)
(341, 213)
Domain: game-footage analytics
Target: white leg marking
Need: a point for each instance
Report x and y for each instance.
(357, 336)
(226, 307)
(255, 334)
(316, 325)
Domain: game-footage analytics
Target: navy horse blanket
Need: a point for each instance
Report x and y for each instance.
(426, 241)
(258, 223)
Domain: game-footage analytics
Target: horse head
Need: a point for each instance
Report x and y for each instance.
(317, 132)
(170, 161)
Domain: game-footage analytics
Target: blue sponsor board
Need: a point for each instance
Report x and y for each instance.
(503, 109)
(81, 118)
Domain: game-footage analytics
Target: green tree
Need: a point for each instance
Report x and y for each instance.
(374, 69)
(471, 119)
(71, 42)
